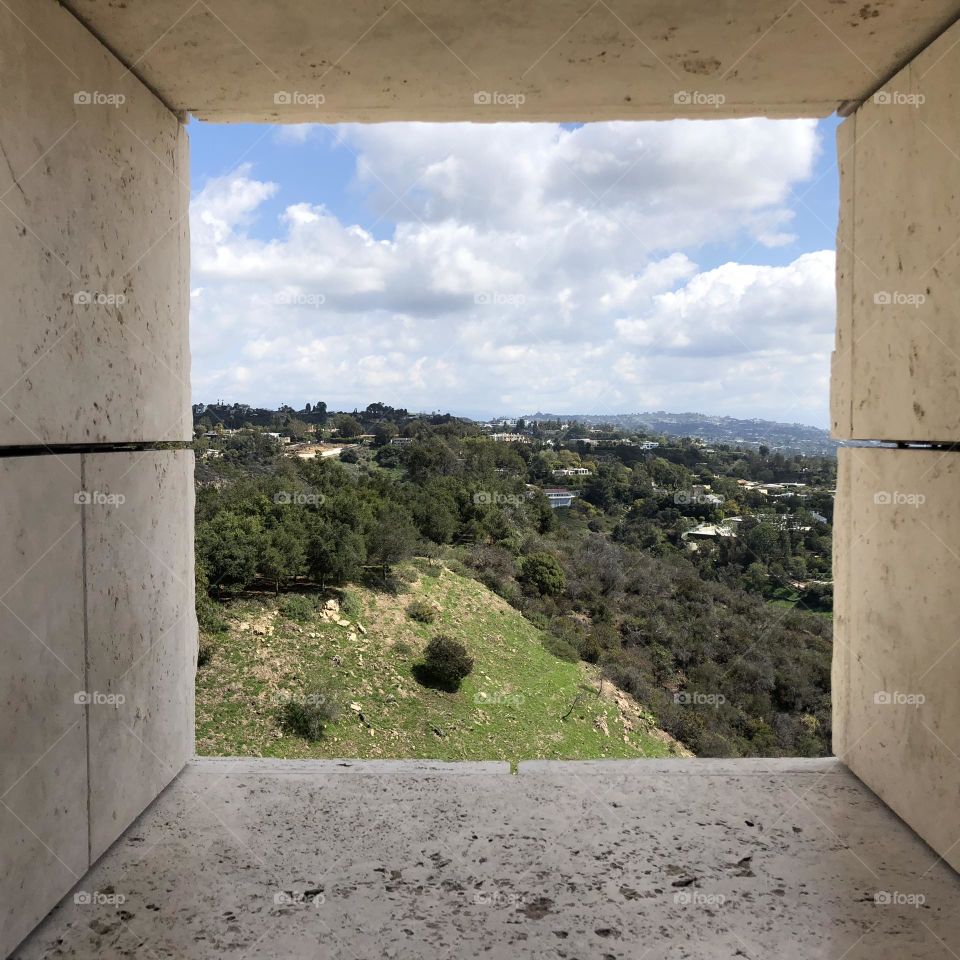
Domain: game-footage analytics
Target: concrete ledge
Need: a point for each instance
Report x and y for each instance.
(306, 859)
(764, 766)
(225, 766)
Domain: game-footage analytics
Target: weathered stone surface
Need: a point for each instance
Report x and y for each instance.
(896, 372)
(43, 737)
(93, 251)
(897, 636)
(142, 630)
(669, 859)
(569, 60)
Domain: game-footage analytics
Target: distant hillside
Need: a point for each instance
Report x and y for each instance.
(520, 701)
(793, 437)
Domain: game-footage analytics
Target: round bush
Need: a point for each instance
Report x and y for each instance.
(297, 607)
(446, 661)
(308, 714)
(421, 611)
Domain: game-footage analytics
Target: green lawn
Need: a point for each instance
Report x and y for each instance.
(515, 705)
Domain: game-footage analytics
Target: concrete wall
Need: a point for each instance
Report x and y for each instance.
(897, 360)
(896, 375)
(96, 584)
(93, 242)
(897, 661)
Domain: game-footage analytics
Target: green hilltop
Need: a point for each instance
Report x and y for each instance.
(520, 701)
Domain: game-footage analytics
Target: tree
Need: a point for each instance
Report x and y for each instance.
(391, 536)
(335, 552)
(543, 573)
(296, 429)
(347, 427)
(230, 547)
(384, 432)
(285, 550)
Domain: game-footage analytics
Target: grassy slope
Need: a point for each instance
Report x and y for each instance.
(511, 706)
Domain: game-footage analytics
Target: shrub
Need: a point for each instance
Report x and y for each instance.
(427, 567)
(560, 648)
(350, 605)
(403, 648)
(308, 714)
(210, 615)
(446, 662)
(297, 607)
(542, 573)
(421, 611)
(589, 649)
(205, 651)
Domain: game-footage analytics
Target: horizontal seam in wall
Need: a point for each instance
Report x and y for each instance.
(939, 446)
(64, 449)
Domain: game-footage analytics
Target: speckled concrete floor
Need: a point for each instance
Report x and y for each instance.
(628, 859)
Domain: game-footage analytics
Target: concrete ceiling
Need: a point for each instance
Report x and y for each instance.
(233, 60)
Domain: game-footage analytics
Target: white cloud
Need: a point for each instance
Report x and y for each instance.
(528, 266)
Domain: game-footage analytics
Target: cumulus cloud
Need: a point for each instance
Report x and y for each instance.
(513, 267)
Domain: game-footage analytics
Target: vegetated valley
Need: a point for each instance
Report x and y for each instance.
(386, 584)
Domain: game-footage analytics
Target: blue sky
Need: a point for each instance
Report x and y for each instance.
(494, 269)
